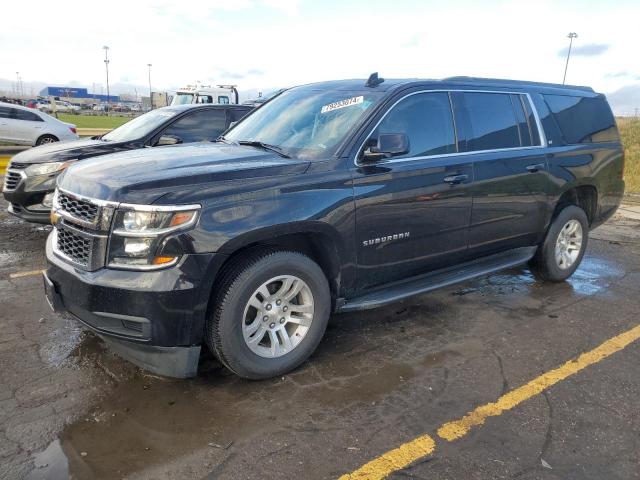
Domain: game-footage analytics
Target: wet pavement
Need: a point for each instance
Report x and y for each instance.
(70, 408)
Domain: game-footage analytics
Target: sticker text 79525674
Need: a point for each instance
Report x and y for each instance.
(342, 104)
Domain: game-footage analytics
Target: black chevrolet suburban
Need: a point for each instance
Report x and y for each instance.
(31, 175)
(332, 197)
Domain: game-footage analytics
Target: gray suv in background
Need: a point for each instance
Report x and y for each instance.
(31, 175)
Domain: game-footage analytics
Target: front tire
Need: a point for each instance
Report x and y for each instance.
(44, 139)
(269, 313)
(564, 246)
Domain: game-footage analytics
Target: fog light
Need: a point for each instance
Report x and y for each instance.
(137, 246)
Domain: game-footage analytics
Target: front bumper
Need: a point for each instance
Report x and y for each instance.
(154, 319)
(25, 200)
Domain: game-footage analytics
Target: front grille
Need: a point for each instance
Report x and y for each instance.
(11, 180)
(82, 229)
(80, 209)
(74, 247)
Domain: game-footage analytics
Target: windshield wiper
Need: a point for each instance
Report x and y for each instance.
(264, 146)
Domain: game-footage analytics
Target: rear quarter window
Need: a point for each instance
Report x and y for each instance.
(583, 119)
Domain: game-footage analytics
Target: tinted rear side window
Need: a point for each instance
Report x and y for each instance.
(236, 114)
(531, 118)
(583, 119)
(492, 121)
(523, 124)
(202, 126)
(427, 120)
(29, 116)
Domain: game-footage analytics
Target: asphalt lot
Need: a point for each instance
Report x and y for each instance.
(380, 379)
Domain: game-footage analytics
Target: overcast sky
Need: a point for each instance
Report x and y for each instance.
(272, 43)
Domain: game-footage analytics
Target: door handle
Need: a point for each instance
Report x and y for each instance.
(535, 168)
(455, 179)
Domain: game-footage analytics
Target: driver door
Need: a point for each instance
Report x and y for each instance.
(413, 211)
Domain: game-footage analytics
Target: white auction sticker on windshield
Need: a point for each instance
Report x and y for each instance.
(342, 104)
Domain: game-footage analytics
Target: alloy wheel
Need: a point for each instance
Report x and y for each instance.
(278, 316)
(568, 244)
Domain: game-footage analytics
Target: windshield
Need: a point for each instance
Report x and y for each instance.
(139, 126)
(182, 99)
(305, 123)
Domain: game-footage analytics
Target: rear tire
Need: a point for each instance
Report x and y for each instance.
(44, 139)
(564, 246)
(261, 335)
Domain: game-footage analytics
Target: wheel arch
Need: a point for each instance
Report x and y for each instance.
(584, 196)
(57, 139)
(319, 241)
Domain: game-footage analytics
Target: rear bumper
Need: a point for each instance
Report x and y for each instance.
(154, 319)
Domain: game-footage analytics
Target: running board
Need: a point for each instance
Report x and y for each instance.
(437, 279)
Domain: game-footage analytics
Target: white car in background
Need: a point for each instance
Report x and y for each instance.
(60, 106)
(27, 126)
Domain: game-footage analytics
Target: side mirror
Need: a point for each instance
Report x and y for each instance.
(387, 145)
(232, 124)
(168, 140)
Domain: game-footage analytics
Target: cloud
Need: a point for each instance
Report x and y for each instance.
(618, 74)
(588, 50)
(253, 72)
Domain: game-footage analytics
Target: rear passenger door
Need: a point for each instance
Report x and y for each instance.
(511, 186)
(5, 124)
(204, 125)
(28, 125)
(413, 210)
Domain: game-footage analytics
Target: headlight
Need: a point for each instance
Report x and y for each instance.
(46, 168)
(47, 201)
(138, 233)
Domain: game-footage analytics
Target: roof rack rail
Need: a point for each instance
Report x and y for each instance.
(501, 81)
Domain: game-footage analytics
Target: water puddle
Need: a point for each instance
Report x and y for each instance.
(50, 464)
(594, 275)
(142, 421)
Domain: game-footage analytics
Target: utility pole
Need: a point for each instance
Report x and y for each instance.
(150, 94)
(106, 64)
(571, 36)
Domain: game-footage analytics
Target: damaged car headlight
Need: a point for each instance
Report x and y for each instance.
(139, 232)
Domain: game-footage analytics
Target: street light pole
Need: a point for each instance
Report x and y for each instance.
(571, 36)
(106, 64)
(150, 94)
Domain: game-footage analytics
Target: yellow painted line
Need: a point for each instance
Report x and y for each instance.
(25, 274)
(422, 446)
(394, 460)
(459, 428)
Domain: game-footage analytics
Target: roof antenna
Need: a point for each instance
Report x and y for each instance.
(373, 80)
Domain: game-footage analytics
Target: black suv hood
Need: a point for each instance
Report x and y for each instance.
(62, 151)
(145, 175)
